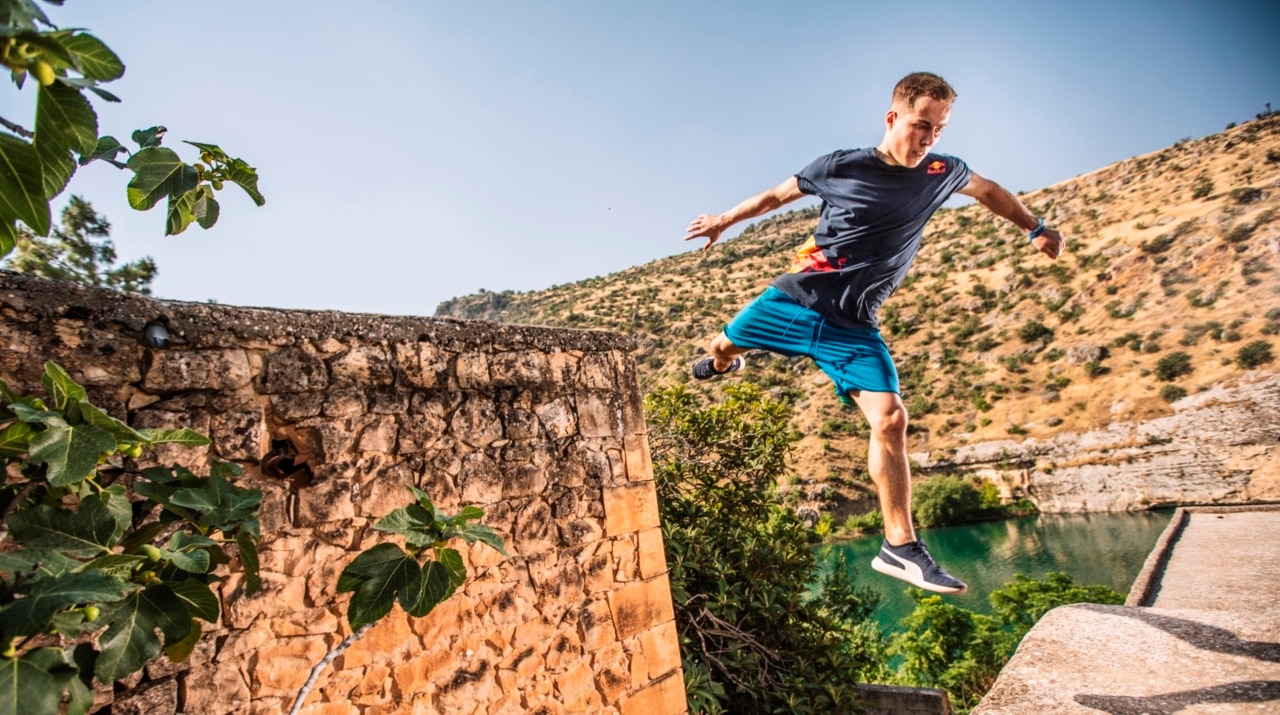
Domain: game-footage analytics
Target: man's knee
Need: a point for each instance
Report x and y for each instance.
(889, 422)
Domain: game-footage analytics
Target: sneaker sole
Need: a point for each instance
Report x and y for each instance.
(912, 575)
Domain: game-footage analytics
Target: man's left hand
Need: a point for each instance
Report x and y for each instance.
(1050, 243)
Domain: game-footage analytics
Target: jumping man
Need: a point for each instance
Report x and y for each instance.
(875, 203)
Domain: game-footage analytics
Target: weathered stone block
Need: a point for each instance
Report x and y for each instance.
(639, 464)
(293, 370)
(325, 501)
(476, 423)
(364, 366)
(597, 372)
(297, 406)
(653, 559)
(598, 415)
(630, 508)
(665, 696)
(574, 683)
(519, 423)
(636, 607)
(535, 532)
(158, 699)
(480, 480)
(472, 370)
(661, 649)
(379, 435)
(422, 364)
(240, 435)
(595, 622)
(557, 418)
(525, 368)
(177, 370)
(345, 402)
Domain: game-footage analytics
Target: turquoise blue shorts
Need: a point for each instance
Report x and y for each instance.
(855, 359)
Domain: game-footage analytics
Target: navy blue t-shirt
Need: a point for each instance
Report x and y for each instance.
(873, 217)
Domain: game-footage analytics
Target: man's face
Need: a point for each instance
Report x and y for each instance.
(910, 132)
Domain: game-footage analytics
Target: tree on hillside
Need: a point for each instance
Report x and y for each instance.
(752, 641)
(80, 251)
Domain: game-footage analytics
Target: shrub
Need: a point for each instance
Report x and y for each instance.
(1246, 195)
(1202, 188)
(1174, 365)
(1254, 354)
(941, 501)
(1034, 331)
(871, 521)
(1159, 244)
(1238, 233)
(1172, 393)
(732, 547)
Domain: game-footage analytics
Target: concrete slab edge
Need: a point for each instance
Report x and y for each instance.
(1142, 591)
(1145, 586)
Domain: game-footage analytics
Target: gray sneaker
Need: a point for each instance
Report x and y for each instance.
(705, 369)
(913, 564)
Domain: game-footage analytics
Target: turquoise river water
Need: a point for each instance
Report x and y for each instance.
(1106, 549)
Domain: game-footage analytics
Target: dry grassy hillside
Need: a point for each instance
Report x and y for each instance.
(1173, 252)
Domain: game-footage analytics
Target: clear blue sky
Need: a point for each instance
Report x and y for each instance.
(412, 151)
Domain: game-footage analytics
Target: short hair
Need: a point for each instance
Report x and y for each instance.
(922, 84)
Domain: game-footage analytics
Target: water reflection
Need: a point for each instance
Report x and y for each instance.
(1104, 549)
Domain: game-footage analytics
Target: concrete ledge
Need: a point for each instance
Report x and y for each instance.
(894, 700)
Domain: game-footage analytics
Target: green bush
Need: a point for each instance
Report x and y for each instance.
(949, 647)
(1034, 331)
(871, 521)
(741, 566)
(942, 501)
(1254, 354)
(1202, 188)
(1174, 365)
(1172, 393)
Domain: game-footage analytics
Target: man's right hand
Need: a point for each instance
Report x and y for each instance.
(705, 225)
(1050, 243)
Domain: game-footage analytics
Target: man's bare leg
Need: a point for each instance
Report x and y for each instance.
(723, 351)
(887, 461)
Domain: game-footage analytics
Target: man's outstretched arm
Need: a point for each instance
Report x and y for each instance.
(711, 227)
(1002, 203)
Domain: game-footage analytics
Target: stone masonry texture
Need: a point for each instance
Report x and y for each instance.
(332, 416)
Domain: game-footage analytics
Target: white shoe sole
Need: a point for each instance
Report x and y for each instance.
(912, 575)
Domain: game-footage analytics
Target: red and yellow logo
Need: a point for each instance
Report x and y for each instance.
(937, 167)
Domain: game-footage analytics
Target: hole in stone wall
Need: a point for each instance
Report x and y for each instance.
(284, 461)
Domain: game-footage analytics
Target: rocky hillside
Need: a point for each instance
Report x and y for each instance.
(1169, 288)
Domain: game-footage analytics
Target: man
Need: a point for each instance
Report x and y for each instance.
(875, 203)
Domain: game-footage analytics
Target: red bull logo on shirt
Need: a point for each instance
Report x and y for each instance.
(937, 167)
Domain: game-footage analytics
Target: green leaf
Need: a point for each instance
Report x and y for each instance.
(158, 172)
(71, 624)
(199, 599)
(452, 560)
(426, 590)
(130, 641)
(26, 689)
(221, 504)
(8, 236)
(145, 533)
(33, 415)
(378, 574)
(15, 439)
(226, 470)
(22, 194)
(413, 522)
(146, 138)
(106, 149)
(181, 650)
(30, 614)
(117, 502)
(470, 513)
(65, 120)
(95, 416)
(116, 564)
(248, 548)
(196, 561)
(424, 500)
(42, 562)
(85, 532)
(23, 14)
(479, 532)
(183, 541)
(246, 177)
(110, 98)
(71, 453)
(180, 213)
(206, 210)
(184, 437)
(83, 656)
(93, 58)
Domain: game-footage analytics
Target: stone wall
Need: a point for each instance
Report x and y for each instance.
(331, 415)
(1220, 446)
